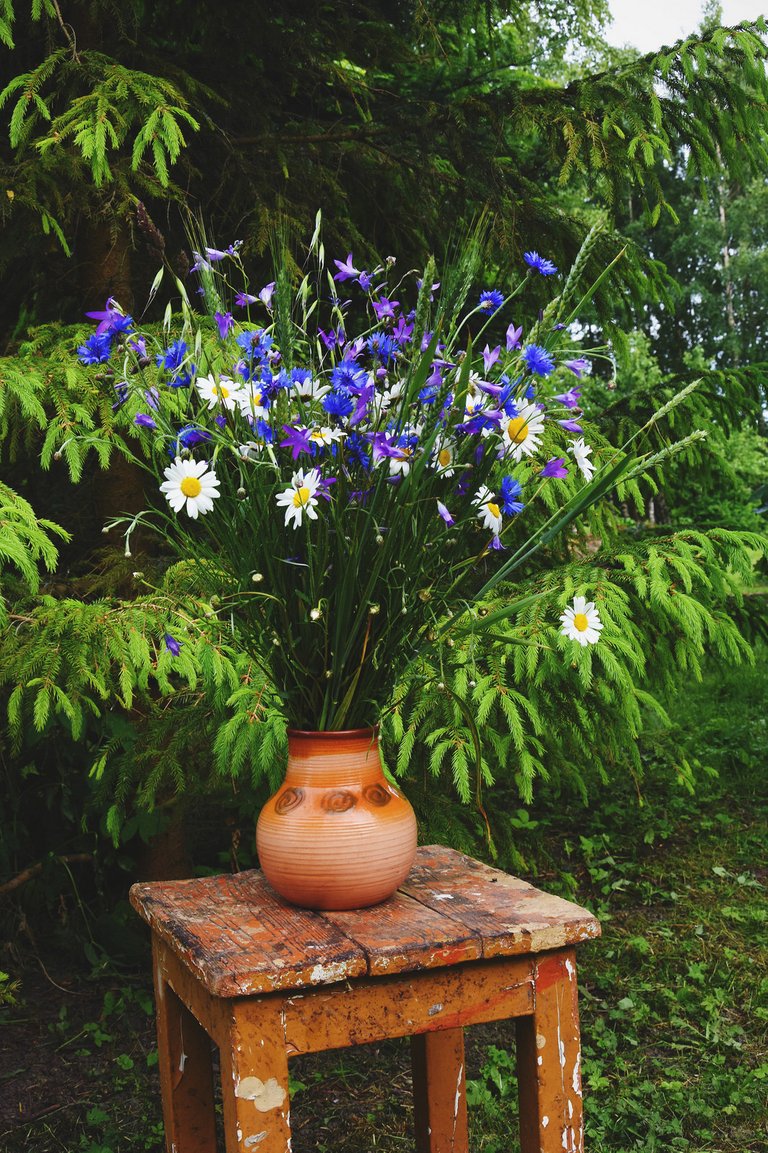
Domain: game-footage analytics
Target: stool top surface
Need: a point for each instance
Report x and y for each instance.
(240, 938)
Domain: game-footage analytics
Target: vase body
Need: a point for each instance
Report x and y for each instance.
(337, 834)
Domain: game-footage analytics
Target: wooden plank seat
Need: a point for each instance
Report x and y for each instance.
(459, 944)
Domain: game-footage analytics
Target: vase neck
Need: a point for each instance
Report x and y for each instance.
(333, 758)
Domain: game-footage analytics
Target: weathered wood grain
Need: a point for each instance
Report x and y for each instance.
(508, 915)
(240, 938)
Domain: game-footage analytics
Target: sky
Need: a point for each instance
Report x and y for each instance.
(647, 24)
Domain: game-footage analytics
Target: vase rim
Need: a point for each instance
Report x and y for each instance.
(316, 734)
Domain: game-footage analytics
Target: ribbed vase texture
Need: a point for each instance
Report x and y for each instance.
(337, 834)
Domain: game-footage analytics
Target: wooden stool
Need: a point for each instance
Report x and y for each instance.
(457, 945)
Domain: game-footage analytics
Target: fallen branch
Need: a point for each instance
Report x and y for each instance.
(34, 870)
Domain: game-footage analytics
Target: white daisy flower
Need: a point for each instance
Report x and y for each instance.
(325, 436)
(300, 498)
(581, 452)
(251, 449)
(391, 394)
(443, 458)
(488, 510)
(223, 393)
(251, 402)
(522, 433)
(310, 389)
(400, 465)
(190, 483)
(581, 622)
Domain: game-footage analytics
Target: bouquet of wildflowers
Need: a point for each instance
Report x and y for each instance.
(356, 459)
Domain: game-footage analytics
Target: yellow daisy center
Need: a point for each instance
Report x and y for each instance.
(517, 429)
(221, 390)
(301, 497)
(580, 622)
(191, 486)
(493, 509)
(444, 457)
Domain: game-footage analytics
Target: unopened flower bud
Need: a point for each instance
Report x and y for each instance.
(138, 575)
(276, 642)
(241, 493)
(440, 685)
(315, 614)
(450, 642)
(257, 578)
(425, 595)
(379, 539)
(374, 609)
(327, 674)
(57, 455)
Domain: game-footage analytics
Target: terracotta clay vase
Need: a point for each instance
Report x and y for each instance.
(337, 834)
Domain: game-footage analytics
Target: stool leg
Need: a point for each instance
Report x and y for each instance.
(186, 1074)
(439, 1091)
(254, 1078)
(549, 1060)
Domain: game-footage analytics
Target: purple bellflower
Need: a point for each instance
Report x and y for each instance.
(347, 270)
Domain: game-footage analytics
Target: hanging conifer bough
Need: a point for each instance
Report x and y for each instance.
(407, 121)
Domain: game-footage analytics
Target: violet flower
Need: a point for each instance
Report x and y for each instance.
(297, 439)
(554, 468)
(225, 322)
(347, 270)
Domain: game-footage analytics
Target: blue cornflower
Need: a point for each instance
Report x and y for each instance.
(381, 345)
(255, 343)
(538, 360)
(510, 491)
(347, 374)
(338, 403)
(539, 263)
(172, 357)
(357, 451)
(96, 349)
(301, 376)
(491, 300)
(263, 430)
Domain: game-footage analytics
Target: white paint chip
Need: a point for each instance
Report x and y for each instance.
(255, 1139)
(322, 974)
(265, 1095)
(544, 1122)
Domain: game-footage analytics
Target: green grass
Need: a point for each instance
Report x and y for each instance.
(674, 996)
